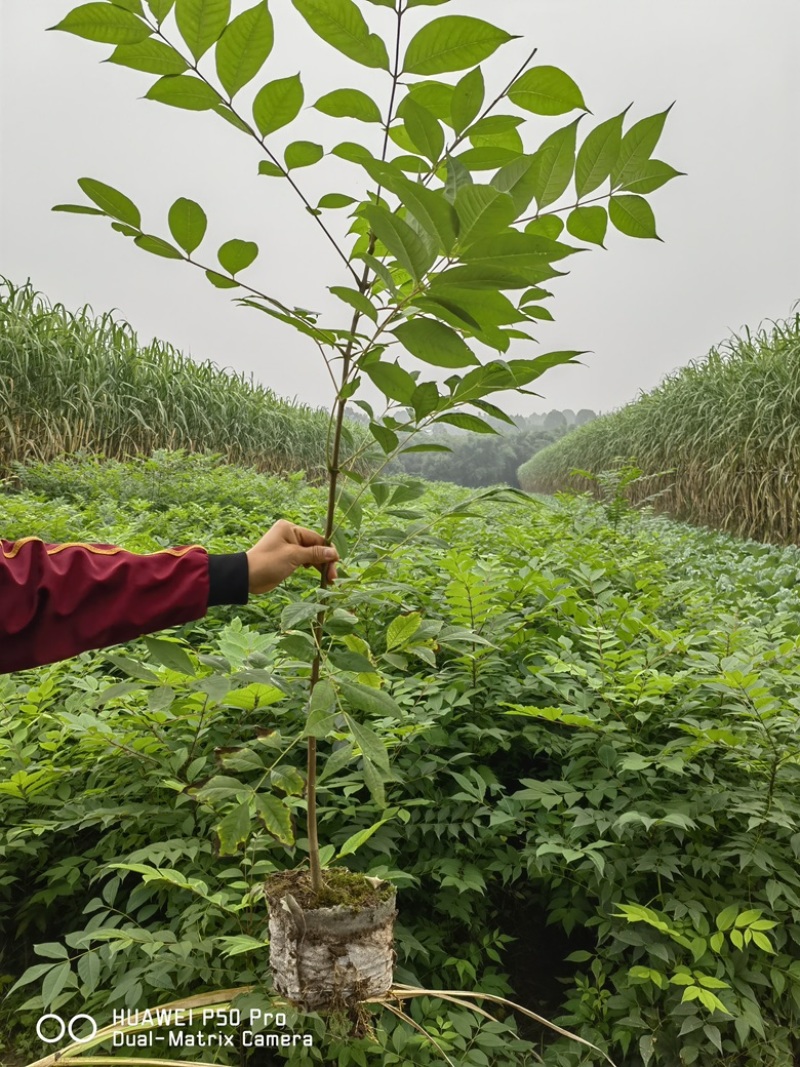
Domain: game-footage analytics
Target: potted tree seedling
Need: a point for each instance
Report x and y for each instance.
(453, 235)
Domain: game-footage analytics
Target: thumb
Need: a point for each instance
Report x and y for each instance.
(316, 555)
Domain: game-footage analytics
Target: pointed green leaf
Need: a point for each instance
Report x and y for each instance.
(220, 281)
(302, 154)
(467, 101)
(467, 422)
(452, 42)
(402, 629)
(425, 132)
(546, 91)
(486, 157)
(169, 654)
(555, 164)
(184, 90)
(374, 782)
(104, 23)
(55, 982)
(355, 841)
(518, 179)
(372, 701)
(386, 438)
(349, 103)
(633, 216)
(111, 201)
(336, 200)
(357, 300)
(341, 24)
(654, 174)
(151, 56)
(435, 343)
(157, 246)
(401, 241)
(78, 209)
(392, 381)
(271, 170)
(551, 226)
(434, 96)
(234, 830)
(322, 710)
(425, 399)
(516, 251)
(372, 747)
(160, 8)
(277, 103)
(457, 177)
(276, 817)
(244, 47)
(637, 147)
(598, 154)
(236, 255)
(428, 206)
(201, 23)
(187, 223)
(483, 211)
(588, 224)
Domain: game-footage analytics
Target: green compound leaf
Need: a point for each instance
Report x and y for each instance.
(104, 23)
(598, 154)
(201, 23)
(633, 216)
(111, 201)
(349, 103)
(186, 91)
(467, 99)
(236, 255)
(302, 154)
(276, 817)
(277, 104)
(452, 42)
(187, 223)
(588, 224)
(341, 25)
(244, 47)
(546, 91)
(157, 246)
(401, 241)
(435, 343)
(151, 56)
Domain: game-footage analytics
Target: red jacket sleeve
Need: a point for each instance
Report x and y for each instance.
(59, 600)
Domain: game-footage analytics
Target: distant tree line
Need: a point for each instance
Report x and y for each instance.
(485, 459)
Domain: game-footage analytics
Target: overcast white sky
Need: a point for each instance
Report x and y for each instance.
(731, 228)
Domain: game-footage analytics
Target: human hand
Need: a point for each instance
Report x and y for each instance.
(284, 548)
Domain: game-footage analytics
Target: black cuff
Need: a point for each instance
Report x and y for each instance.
(228, 579)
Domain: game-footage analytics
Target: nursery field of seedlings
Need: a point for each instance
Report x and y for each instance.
(579, 770)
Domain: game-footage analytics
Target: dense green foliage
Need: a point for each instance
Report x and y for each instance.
(72, 381)
(593, 798)
(718, 440)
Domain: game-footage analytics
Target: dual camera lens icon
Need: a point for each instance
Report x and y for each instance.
(52, 1028)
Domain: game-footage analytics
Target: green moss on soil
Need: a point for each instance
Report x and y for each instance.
(340, 886)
